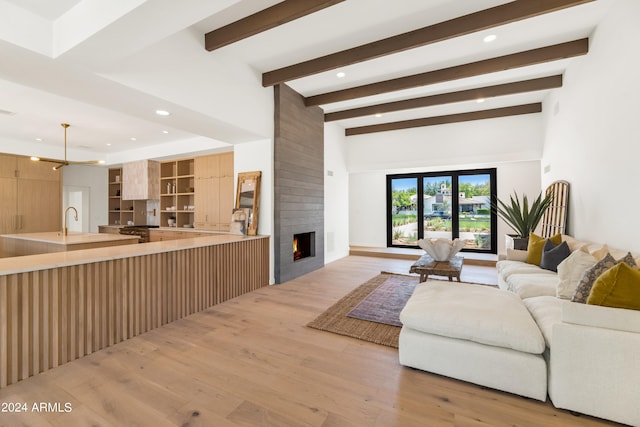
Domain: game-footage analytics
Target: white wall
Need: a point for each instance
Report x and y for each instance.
(367, 201)
(336, 194)
(513, 145)
(96, 179)
(593, 132)
(506, 139)
(258, 156)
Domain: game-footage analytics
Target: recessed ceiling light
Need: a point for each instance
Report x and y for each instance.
(162, 112)
(108, 144)
(134, 139)
(480, 100)
(165, 131)
(489, 38)
(340, 74)
(39, 139)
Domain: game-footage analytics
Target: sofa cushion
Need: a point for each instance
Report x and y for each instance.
(590, 275)
(546, 311)
(536, 246)
(617, 287)
(533, 285)
(507, 268)
(477, 313)
(571, 270)
(553, 254)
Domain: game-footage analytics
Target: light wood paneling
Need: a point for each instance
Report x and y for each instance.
(50, 317)
(31, 196)
(214, 196)
(39, 205)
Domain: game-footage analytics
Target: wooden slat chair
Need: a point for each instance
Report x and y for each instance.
(554, 219)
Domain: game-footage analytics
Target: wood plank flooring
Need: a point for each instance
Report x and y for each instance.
(251, 361)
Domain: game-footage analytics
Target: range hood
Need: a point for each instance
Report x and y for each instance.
(141, 180)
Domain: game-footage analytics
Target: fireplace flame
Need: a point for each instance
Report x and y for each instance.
(296, 252)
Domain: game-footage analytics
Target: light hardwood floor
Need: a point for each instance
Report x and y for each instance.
(251, 361)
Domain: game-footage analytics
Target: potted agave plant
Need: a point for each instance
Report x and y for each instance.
(522, 217)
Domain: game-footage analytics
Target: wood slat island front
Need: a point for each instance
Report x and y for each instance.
(58, 307)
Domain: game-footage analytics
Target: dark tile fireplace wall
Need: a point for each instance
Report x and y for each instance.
(298, 182)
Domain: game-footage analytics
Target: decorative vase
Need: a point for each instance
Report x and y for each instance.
(513, 241)
(441, 249)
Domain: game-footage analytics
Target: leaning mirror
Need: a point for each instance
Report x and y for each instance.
(248, 198)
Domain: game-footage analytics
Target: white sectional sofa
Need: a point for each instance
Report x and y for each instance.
(589, 359)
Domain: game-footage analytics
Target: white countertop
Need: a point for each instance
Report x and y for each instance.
(62, 259)
(73, 238)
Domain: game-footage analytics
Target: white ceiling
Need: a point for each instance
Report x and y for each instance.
(84, 77)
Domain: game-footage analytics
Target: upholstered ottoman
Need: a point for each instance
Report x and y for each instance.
(474, 333)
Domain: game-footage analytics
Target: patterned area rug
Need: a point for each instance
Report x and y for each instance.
(337, 318)
(385, 303)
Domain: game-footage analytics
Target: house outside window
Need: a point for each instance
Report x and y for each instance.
(422, 205)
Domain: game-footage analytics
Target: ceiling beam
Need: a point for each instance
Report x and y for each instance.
(532, 85)
(502, 63)
(451, 118)
(474, 22)
(264, 20)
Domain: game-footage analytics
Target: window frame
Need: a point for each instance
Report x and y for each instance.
(455, 226)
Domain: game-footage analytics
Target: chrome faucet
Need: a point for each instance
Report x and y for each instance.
(75, 216)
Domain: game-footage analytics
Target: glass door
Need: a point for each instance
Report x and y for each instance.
(449, 205)
(474, 211)
(437, 207)
(403, 211)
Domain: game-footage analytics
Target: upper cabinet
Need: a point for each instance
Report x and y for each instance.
(141, 180)
(214, 192)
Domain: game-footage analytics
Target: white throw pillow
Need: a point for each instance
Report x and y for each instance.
(570, 271)
(516, 255)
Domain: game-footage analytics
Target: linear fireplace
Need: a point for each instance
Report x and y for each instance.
(304, 245)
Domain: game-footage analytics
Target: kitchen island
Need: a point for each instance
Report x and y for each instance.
(55, 241)
(58, 307)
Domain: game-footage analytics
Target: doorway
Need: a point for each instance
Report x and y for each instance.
(79, 198)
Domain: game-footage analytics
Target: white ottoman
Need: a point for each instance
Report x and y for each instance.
(474, 333)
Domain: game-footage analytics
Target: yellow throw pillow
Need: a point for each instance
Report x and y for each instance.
(536, 245)
(617, 287)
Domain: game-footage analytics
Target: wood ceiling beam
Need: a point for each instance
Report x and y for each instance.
(451, 118)
(264, 20)
(532, 85)
(502, 63)
(474, 22)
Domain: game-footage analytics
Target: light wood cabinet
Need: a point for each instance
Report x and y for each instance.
(31, 196)
(214, 196)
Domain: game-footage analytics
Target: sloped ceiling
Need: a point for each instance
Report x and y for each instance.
(106, 69)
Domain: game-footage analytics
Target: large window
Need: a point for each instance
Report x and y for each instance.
(442, 204)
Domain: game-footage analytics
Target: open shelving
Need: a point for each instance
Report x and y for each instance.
(120, 211)
(177, 185)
